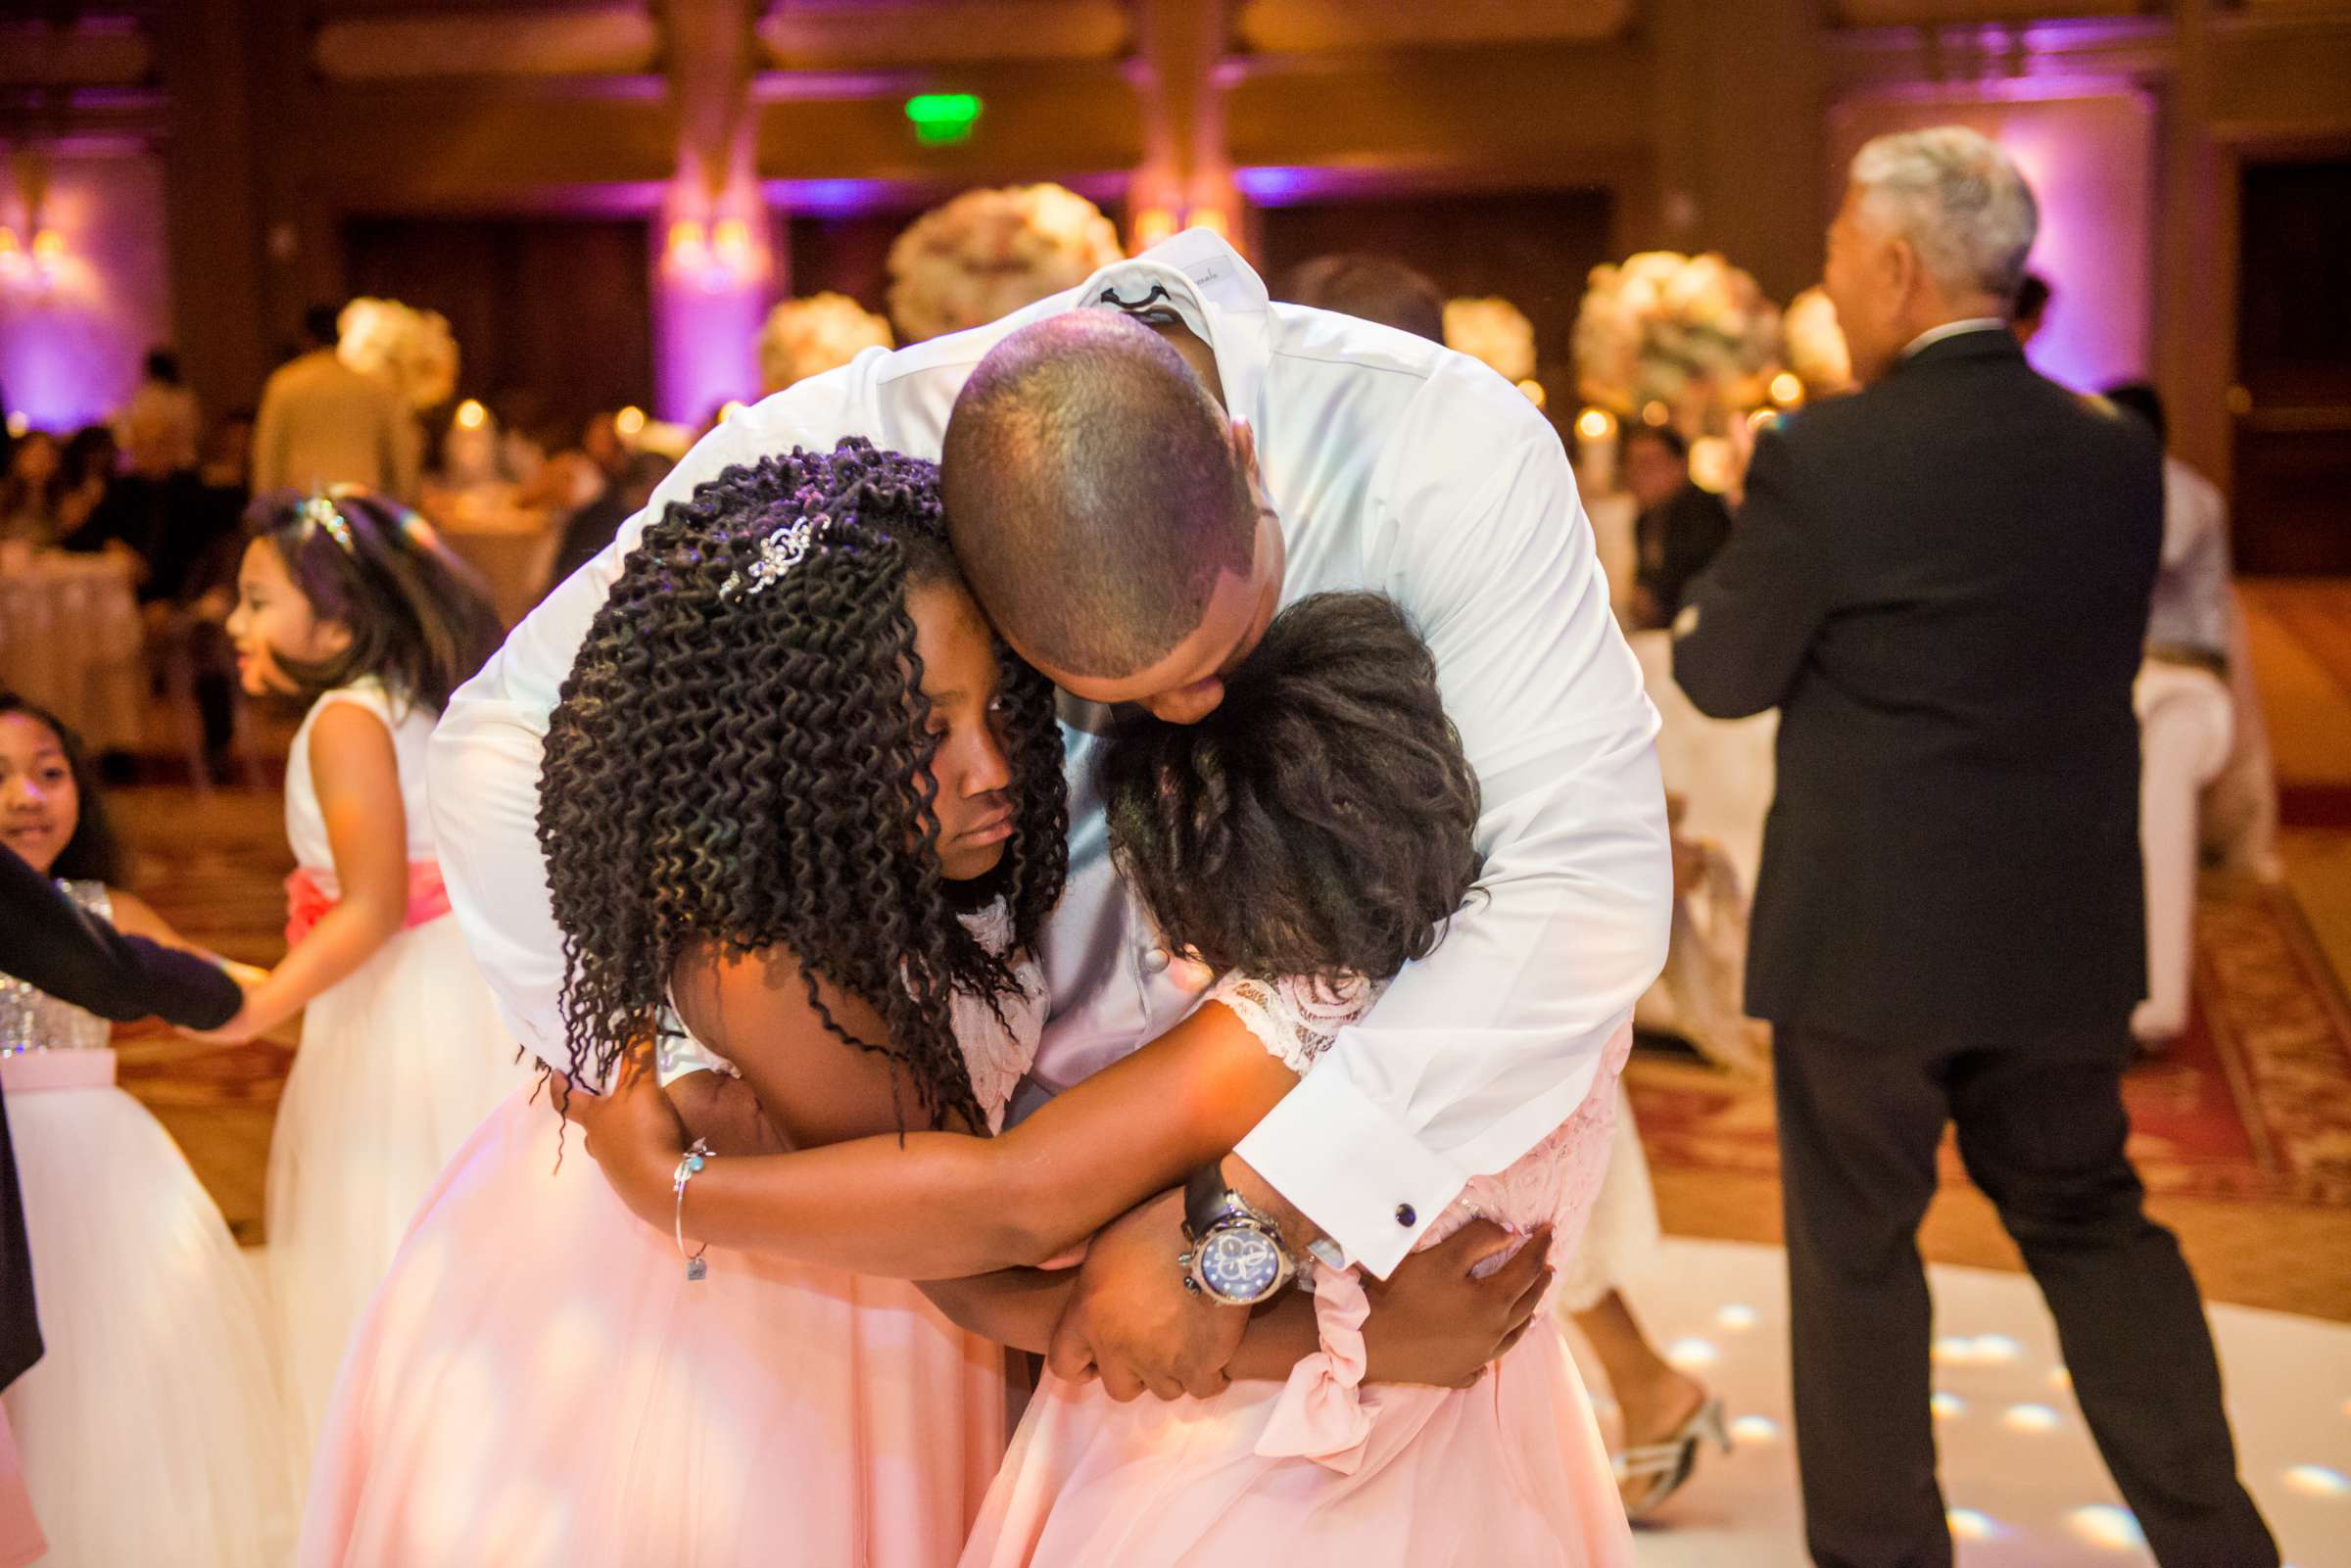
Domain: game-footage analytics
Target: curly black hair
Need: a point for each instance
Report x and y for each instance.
(420, 618)
(94, 853)
(1321, 820)
(740, 757)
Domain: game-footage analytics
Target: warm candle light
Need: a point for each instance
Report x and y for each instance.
(1533, 390)
(472, 415)
(1153, 224)
(1785, 390)
(1595, 424)
(629, 423)
(1655, 412)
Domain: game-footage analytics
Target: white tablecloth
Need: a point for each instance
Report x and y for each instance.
(70, 641)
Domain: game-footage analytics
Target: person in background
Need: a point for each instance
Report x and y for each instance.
(1371, 288)
(158, 427)
(91, 459)
(347, 603)
(149, 1425)
(228, 458)
(2030, 310)
(595, 525)
(1942, 583)
(324, 423)
(1680, 529)
(33, 488)
(2187, 719)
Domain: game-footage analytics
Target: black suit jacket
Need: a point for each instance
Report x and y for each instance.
(1677, 541)
(1943, 585)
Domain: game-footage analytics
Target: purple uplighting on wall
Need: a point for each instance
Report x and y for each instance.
(72, 332)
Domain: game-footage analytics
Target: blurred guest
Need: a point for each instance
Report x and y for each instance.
(2187, 718)
(1680, 528)
(156, 429)
(324, 423)
(1942, 583)
(91, 459)
(1369, 288)
(2030, 310)
(228, 459)
(595, 525)
(33, 488)
(600, 441)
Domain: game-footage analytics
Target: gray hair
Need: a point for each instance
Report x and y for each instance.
(1958, 198)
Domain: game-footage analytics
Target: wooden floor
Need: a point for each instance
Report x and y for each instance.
(212, 865)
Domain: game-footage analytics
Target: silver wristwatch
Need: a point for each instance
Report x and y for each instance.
(1236, 1255)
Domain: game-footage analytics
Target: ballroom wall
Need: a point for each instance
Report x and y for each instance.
(1693, 125)
(73, 330)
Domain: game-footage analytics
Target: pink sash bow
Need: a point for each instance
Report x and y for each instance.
(307, 901)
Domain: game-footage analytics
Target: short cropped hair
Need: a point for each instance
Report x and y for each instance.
(1092, 493)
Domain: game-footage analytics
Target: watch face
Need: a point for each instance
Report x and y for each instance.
(1240, 1265)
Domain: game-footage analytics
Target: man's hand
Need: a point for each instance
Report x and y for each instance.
(1132, 1321)
(1435, 1323)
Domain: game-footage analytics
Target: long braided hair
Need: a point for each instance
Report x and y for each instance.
(740, 757)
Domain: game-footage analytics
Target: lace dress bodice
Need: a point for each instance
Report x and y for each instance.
(996, 1051)
(31, 1020)
(1554, 1183)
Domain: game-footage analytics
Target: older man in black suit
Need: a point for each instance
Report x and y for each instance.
(1943, 585)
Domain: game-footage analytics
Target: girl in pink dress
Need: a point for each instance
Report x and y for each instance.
(804, 818)
(1306, 840)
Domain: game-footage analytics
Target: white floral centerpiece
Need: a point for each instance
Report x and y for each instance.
(1692, 334)
(1816, 349)
(989, 252)
(408, 347)
(811, 335)
(1495, 331)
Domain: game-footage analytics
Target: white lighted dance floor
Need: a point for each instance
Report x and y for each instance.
(2019, 1471)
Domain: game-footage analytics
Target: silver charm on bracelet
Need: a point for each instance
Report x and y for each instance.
(690, 1168)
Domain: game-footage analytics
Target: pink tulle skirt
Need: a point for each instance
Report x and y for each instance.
(537, 1386)
(1511, 1471)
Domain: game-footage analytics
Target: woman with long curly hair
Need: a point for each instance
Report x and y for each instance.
(805, 816)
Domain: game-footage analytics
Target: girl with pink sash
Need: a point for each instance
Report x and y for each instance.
(348, 602)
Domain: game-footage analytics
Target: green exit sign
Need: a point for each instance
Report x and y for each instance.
(942, 118)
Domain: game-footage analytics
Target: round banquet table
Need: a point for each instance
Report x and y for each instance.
(70, 641)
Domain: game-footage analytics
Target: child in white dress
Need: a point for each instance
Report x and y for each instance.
(347, 600)
(149, 1428)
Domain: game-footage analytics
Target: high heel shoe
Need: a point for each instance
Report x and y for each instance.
(1668, 1465)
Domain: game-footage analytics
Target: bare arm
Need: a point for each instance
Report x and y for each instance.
(358, 777)
(945, 1205)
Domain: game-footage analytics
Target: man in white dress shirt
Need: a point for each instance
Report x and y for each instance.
(1353, 456)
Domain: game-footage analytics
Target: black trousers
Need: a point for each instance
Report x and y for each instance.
(2041, 1128)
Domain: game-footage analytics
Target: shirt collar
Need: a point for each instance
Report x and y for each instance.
(1952, 329)
(1204, 282)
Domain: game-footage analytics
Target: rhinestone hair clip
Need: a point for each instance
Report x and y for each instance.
(319, 512)
(779, 554)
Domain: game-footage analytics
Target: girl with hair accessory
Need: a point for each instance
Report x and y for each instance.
(805, 816)
(1305, 839)
(344, 601)
(150, 1428)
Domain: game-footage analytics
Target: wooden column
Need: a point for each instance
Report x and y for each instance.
(714, 258)
(1186, 173)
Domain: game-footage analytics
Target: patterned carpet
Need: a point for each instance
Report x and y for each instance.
(2251, 1103)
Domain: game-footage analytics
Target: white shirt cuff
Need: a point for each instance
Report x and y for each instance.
(1349, 1166)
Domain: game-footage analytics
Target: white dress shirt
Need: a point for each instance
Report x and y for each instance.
(1394, 464)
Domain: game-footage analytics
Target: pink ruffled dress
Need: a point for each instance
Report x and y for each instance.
(1322, 1470)
(539, 1385)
